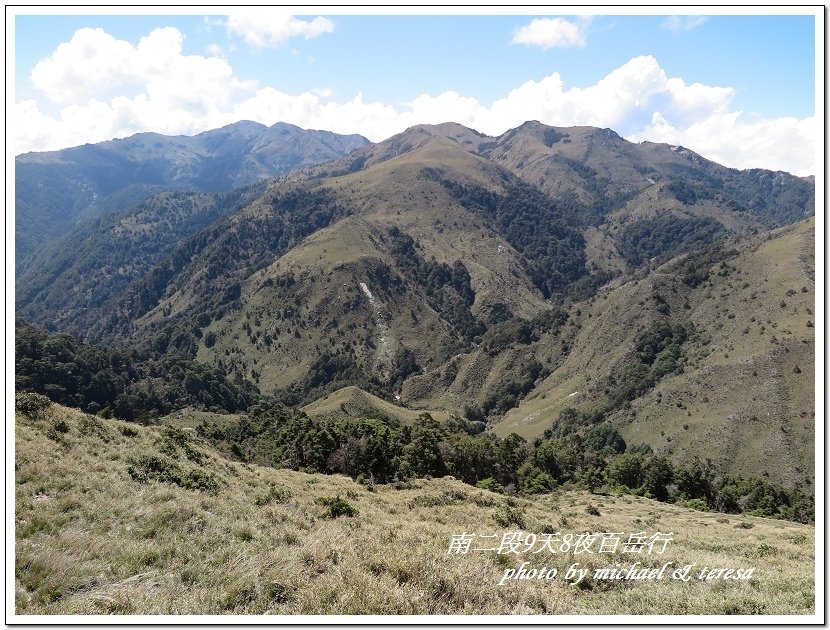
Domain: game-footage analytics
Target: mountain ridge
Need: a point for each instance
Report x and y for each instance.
(458, 270)
(55, 189)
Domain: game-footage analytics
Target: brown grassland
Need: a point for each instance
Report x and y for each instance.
(116, 518)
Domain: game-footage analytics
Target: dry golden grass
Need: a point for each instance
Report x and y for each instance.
(91, 540)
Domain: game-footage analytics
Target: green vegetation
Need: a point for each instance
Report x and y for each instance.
(777, 197)
(518, 331)
(512, 388)
(129, 384)
(337, 506)
(485, 303)
(69, 284)
(665, 235)
(217, 260)
(697, 266)
(552, 136)
(89, 539)
(577, 451)
(146, 468)
(57, 189)
(620, 306)
(543, 231)
(447, 287)
(658, 351)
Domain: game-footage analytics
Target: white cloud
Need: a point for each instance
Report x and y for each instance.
(160, 89)
(93, 63)
(90, 61)
(35, 131)
(682, 23)
(109, 88)
(780, 144)
(551, 33)
(269, 27)
(214, 50)
(694, 97)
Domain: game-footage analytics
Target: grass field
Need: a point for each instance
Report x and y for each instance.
(115, 518)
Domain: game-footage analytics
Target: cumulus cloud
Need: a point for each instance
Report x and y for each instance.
(163, 90)
(551, 33)
(682, 23)
(108, 88)
(94, 63)
(268, 27)
(92, 60)
(780, 144)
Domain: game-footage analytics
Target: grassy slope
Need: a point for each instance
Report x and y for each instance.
(393, 189)
(332, 310)
(330, 265)
(353, 402)
(740, 400)
(745, 389)
(89, 539)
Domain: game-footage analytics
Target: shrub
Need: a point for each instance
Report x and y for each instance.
(490, 484)
(31, 404)
(275, 494)
(593, 478)
(507, 516)
(146, 468)
(696, 504)
(336, 507)
(129, 432)
(534, 480)
(91, 425)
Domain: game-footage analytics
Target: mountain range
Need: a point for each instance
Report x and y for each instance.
(546, 281)
(55, 190)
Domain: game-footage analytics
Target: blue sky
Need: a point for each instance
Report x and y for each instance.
(740, 89)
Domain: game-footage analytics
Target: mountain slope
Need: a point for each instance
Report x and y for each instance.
(54, 189)
(605, 172)
(609, 213)
(409, 269)
(742, 392)
(112, 518)
(352, 402)
(67, 284)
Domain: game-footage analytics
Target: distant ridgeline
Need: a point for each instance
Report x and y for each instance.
(55, 190)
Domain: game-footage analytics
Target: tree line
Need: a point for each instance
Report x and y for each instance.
(595, 458)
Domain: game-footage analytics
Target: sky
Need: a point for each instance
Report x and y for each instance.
(738, 89)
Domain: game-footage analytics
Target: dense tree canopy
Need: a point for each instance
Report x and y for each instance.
(131, 384)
